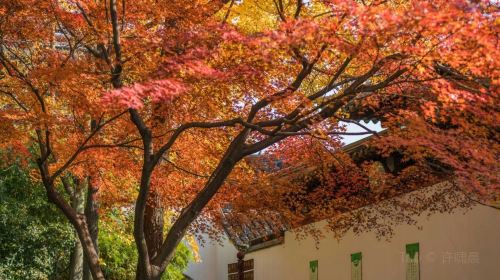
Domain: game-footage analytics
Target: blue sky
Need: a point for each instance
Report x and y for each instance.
(347, 139)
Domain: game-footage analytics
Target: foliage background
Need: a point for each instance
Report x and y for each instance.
(36, 241)
(119, 254)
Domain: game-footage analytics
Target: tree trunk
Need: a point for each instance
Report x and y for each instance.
(153, 223)
(77, 220)
(76, 265)
(153, 231)
(92, 216)
(89, 249)
(141, 273)
(191, 212)
(77, 257)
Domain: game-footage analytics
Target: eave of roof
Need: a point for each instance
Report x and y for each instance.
(265, 240)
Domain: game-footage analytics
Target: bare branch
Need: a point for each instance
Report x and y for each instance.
(116, 31)
(226, 16)
(81, 148)
(13, 97)
(298, 9)
(186, 126)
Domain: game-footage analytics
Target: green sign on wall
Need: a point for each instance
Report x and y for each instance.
(412, 261)
(356, 266)
(313, 270)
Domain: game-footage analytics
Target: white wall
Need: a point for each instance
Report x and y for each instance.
(455, 246)
(214, 261)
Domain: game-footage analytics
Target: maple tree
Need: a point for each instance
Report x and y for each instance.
(173, 96)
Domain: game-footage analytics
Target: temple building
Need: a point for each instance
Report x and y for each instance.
(459, 243)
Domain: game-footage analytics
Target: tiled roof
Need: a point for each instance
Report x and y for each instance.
(254, 230)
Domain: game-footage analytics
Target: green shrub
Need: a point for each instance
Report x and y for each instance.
(119, 254)
(35, 239)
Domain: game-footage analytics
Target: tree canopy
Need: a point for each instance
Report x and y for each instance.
(173, 97)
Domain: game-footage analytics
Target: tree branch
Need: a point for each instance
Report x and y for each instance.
(81, 148)
(298, 9)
